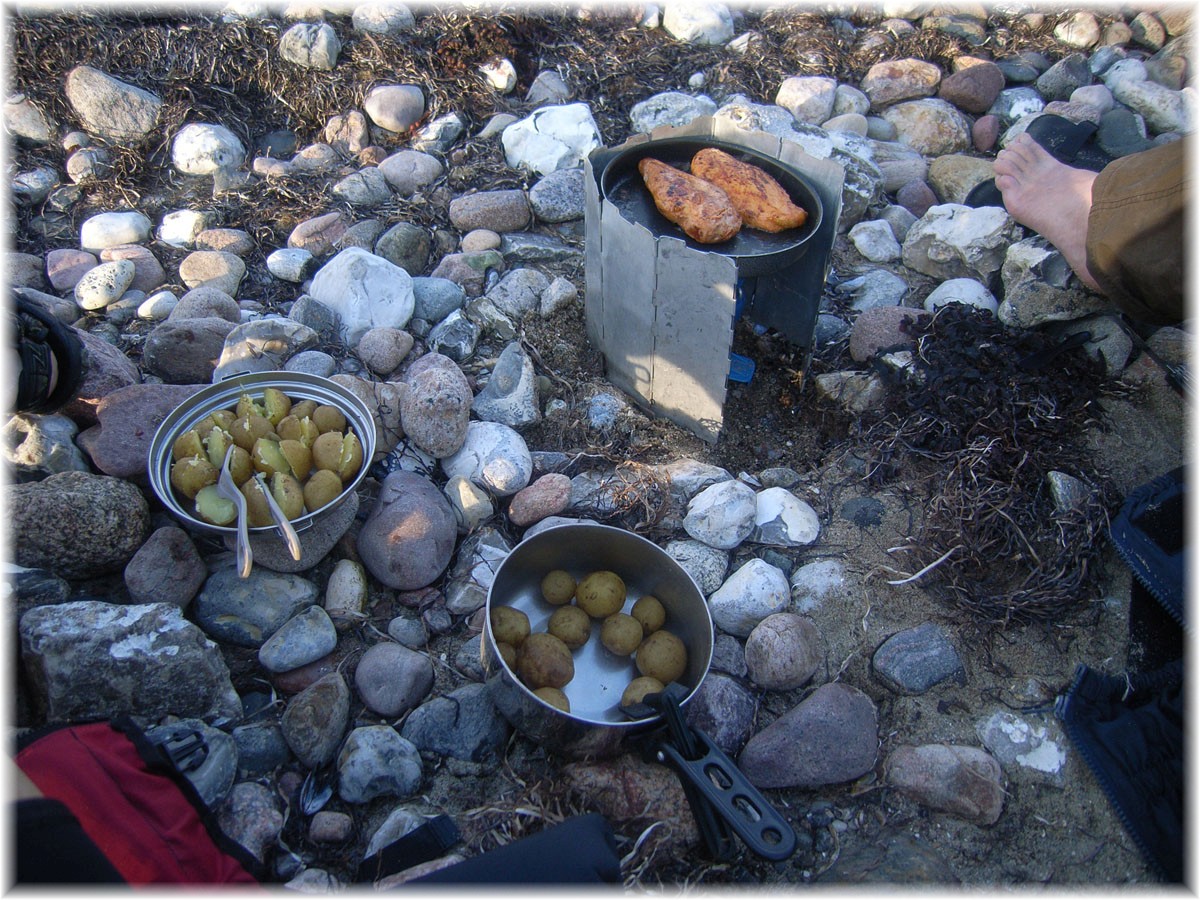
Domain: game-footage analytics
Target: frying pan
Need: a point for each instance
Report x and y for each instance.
(754, 252)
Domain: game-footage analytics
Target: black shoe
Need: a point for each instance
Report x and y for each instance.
(1061, 138)
(50, 354)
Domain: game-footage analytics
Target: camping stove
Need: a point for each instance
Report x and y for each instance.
(661, 308)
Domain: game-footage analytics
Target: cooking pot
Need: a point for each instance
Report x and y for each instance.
(224, 395)
(754, 252)
(596, 726)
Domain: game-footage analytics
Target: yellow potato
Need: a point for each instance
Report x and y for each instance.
(213, 508)
(327, 451)
(321, 489)
(302, 409)
(248, 429)
(258, 511)
(187, 444)
(190, 474)
(663, 656)
(276, 404)
(544, 661)
(650, 612)
(554, 697)
(571, 625)
(558, 587)
(639, 688)
(299, 458)
(351, 458)
(600, 594)
(507, 653)
(247, 406)
(621, 634)
(288, 494)
(268, 458)
(509, 626)
(329, 418)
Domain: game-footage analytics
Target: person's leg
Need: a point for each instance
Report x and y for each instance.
(1135, 236)
(1120, 230)
(1049, 197)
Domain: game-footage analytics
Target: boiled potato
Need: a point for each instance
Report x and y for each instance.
(276, 404)
(650, 613)
(507, 653)
(216, 441)
(240, 466)
(571, 625)
(639, 688)
(509, 625)
(554, 697)
(213, 508)
(303, 409)
(329, 418)
(351, 458)
(621, 634)
(268, 458)
(321, 489)
(544, 661)
(303, 430)
(288, 493)
(327, 451)
(558, 587)
(299, 458)
(190, 474)
(600, 594)
(258, 511)
(187, 444)
(662, 656)
(248, 429)
(248, 406)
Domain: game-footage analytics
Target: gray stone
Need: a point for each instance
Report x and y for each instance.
(547, 87)
(310, 46)
(25, 120)
(213, 778)
(263, 345)
(510, 395)
(165, 569)
(915, 660)
(1034, 746)
(315, 720)
(670, 108)
(212, 268)
(492, 456)
(830, 738)
(36, 446)
(436, 298)
(306, 637)
(395, 107)
(111, 108)
(409, 171)
(92, 660)
(955, 241)
(391, 679)
(185, 351)
(752, 593)
(478, 558)
(722, 515)
(405, 245)
(931, 126)
(245, 612)
(251, 817)
(783, 651)
(436, 408)
(366, 188)
(410, 536)
(892, 81)
(376, 762)
(706, 565)
(499, 211)
(439, 135)
(261, 749)
(1064, 77)
(464, 724)
(875, 288)
(110, 515)
(206, 302)
(205, 149)
(558, 197)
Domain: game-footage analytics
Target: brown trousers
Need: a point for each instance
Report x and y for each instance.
(1135, 236)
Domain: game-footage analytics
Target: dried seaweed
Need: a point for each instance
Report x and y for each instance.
(986, 432)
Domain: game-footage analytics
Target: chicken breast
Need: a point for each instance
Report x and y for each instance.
(759, 199)
(701, 209)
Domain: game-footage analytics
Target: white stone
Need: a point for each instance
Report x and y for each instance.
(494, 457)
(365, 291)
(104, 284)
(782, 519)
(346, 593)
(809, 98)
(204, 149)
(472, 505)
(311, 45)
(698, 23)
(875, 241)
(551, 138)
(180, 227)
(814, 583)
(722, 515)
(395, 107)
(755, 591)
(157, 306)
(290, 264)
(382, 18)
(956, 241)
(669, 108)
(849, 99)
(705, 564)
(1080, 31)
(1124, 71)
(961, 290)
(1162, 108)
(1097, 96)
(112, 229)
(500, 74)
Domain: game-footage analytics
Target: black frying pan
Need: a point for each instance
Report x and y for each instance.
(754, 252)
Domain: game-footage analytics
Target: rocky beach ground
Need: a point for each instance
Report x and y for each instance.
(900, 534)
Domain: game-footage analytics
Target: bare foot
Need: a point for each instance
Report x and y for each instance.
(1049, 197)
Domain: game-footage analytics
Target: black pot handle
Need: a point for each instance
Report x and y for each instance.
(720, 795)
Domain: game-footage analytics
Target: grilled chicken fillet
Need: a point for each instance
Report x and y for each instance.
(702, 210)
(759, 199)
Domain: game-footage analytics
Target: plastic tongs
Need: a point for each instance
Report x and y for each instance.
(228, 489)
(723, 801)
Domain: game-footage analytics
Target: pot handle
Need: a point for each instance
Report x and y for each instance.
(720, 795)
